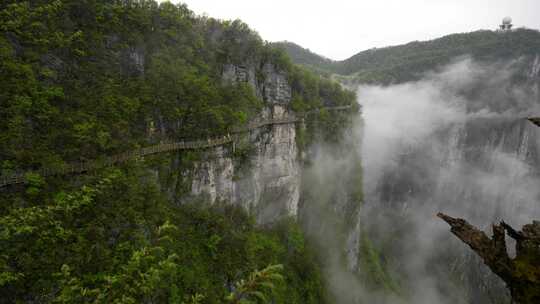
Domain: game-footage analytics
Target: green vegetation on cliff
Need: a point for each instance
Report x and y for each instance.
(118, 240)
(83, 79)
(306, 58)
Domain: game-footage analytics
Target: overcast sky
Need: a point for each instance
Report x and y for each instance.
(340, 28)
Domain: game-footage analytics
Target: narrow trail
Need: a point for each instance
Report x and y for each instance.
(78, 168)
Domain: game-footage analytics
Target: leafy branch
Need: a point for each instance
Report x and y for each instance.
(257, 287)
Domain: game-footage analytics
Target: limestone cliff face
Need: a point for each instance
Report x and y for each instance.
(267, 181)
(214, 177)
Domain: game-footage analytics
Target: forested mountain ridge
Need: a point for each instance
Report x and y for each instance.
(83, 80)
(93, 76)
(409, 61)
(305, 57)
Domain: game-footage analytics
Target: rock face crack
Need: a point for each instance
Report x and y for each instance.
(521, 274)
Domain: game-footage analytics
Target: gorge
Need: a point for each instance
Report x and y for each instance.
(152, 155)
(444, 130)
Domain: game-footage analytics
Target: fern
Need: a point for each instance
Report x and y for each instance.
(257, 287)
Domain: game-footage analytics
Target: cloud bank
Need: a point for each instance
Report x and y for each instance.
(455, 142)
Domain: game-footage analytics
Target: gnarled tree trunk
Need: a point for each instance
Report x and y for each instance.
(535, 120)
(521, 274)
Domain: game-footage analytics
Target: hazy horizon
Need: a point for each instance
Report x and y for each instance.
(342, 28)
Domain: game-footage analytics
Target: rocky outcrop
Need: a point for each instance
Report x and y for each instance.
(276, 88)
(213, 178)
(534, 71)
(273, 88)
(267, 183)
(136, 56)
(241, 74)
(133, 60)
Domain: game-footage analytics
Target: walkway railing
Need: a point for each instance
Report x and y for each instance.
(76, 168)
(81, 167)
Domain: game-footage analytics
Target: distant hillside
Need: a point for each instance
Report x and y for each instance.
(307, 58)
(409, 61)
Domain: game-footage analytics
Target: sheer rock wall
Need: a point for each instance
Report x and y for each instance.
(268, 182)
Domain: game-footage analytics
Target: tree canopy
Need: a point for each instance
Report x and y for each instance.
(83, 79)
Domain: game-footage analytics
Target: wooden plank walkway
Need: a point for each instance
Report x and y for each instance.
(77, 168)
(82, 167)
